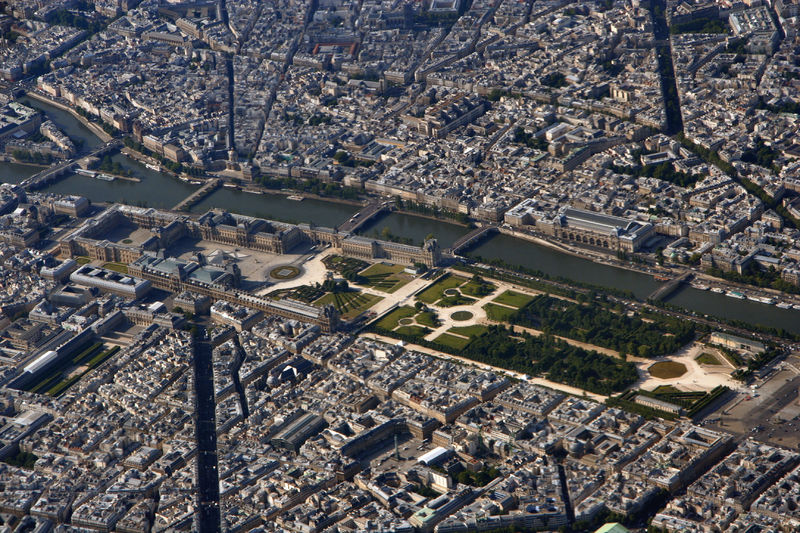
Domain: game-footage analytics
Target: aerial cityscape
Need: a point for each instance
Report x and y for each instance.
(413, 266)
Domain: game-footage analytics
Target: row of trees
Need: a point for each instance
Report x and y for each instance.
(387, 235)
(63, 17)
(409, 205)
(523, 137)
(499, 263)
(753, 275)
(346, 160)
(108, 165)
(544, 355)
(663, 171)
(713, 157)
(740, 324)
(553, 358)
(596, 324)
(761, 155)
(311, 186)
(700, 25)
(789, 106)
(177, 168)
(32, 157)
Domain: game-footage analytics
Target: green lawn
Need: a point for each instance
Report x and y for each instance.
(343, 265)
(91, 358)
(461, 315)
(102, 356)
(452, 301)
(478, 290)
(665, 389)
(392, 320)
(667, 370)
(82, 260)
(452, 341)
(413, 331)
(47, 383)
(498, 313)
(706, 358)
(22, 459)
(386, 278)
(87, 353)
(304, 293)
(427, 318)
(340, 261)
(55, 375)
(514, 299)
(351, 303)
(469, 331)
(381, 268)
(63, 385)
(122, 268)
(436, 291)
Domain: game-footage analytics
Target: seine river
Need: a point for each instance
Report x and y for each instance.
(161, 190)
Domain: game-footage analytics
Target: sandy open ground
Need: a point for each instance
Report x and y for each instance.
(697, 377)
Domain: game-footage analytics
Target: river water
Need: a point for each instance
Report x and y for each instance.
(73, 127)
(155, 189)
(414, 228)
(15, 172)
(161, 190)
(277, 207)
(556, 263)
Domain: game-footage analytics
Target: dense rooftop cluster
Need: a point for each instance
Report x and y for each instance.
(491, 109)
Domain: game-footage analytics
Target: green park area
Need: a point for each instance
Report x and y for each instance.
(71, 369)
(22, 460)
(350, 303)
(498, 313)
(594, 321)
(122, 268)
(450, 291)
(543, 356)
(707, 358)
(690, 403)
(461, 316)
(409, 322)
(459, 337)
(456, 342)
(469, 331)
(385, 277)
(348, 267)
(505, 305)
(436, 292)
(602, 324)
(513, 299)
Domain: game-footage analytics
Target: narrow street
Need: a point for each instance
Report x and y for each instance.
(208, 513)
(666, 69)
